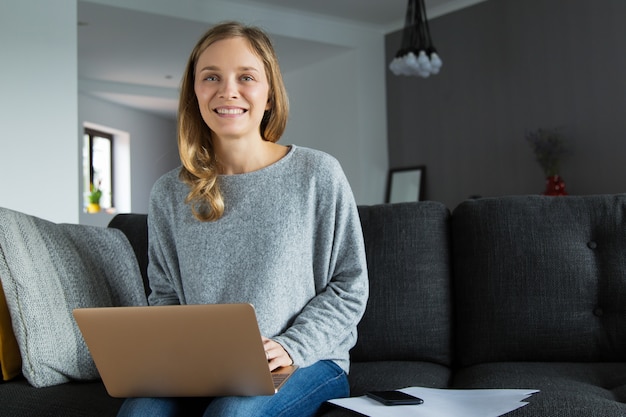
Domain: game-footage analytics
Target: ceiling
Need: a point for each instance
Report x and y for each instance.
(136, 58)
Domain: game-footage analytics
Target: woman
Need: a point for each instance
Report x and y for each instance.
(248, 220)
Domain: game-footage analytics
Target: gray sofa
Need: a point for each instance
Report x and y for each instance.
(512, 292)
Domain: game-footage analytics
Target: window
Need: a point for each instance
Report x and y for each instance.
(98, 166)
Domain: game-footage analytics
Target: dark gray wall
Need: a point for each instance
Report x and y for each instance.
(510, 66)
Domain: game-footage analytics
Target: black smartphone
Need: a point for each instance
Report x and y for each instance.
(394, 398)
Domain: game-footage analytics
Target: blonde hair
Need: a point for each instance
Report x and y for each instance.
(195, 144)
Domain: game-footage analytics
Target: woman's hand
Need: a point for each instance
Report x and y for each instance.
(276, 355)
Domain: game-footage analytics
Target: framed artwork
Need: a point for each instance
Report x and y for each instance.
(405, 184)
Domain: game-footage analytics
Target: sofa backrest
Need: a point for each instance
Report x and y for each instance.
(408, 315)
(540, 279)
(135, 227)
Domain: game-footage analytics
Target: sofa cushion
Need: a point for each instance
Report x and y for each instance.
(49, 269)
(566, 389)
(540, 279)
(409, 313)
(73, 399)
(10, 359)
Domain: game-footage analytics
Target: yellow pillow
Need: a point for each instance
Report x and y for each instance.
(10, 359)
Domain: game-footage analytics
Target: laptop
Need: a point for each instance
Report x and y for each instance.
(179, 351)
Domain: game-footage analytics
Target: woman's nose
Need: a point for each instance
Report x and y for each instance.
(229, 89)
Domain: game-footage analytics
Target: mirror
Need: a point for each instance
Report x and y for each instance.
(405, 184)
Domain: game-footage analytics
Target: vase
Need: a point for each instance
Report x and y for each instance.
(555, 186)
(93, 208)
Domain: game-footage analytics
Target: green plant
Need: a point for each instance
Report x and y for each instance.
(549, 148)
(95, 193)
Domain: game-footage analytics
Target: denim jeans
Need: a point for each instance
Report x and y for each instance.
(301, 396)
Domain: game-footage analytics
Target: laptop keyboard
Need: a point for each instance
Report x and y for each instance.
(278, 379)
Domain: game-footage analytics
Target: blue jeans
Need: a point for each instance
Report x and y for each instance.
(302, 395)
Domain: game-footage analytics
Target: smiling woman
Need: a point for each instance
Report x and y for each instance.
(246, 220)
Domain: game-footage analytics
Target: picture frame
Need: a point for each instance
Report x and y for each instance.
(406, 184)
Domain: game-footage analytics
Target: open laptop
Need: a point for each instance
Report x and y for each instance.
(179, 351)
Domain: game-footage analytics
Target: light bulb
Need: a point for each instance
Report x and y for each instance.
(395, 66)
(424, 63)
(411, 60)
(435, 61)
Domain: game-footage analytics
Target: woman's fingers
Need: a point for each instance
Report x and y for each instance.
(276, 355)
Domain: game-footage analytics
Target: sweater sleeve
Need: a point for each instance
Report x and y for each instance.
(326, 327)
(163, 271)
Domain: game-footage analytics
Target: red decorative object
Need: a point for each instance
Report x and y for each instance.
(555, 186)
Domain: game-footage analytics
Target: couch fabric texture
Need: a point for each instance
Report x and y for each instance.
(510, 292)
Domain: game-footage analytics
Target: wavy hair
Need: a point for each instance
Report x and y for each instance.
(195, 144)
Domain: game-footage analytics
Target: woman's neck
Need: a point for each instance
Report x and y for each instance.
(240, 156)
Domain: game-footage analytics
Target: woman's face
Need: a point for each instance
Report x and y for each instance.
(232, 89)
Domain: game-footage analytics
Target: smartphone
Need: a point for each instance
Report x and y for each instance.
(394, 398)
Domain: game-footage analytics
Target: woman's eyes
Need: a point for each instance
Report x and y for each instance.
(216, 78)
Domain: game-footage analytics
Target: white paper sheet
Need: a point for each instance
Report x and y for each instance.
(444, 403)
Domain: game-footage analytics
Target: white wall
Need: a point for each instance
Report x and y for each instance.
(38, 108)
(323, 110)
(326, 114)
(153, 148)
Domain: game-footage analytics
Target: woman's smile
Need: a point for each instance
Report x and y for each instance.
(232, 89)
(229, 111)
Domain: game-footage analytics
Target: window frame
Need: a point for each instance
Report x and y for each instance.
(91, 133)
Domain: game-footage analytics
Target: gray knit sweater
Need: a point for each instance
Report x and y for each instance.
(289, 242)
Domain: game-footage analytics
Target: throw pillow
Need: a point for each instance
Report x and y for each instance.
(10, 359)
(49, 269)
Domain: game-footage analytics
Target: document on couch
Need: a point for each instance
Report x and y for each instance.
(444, 403)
